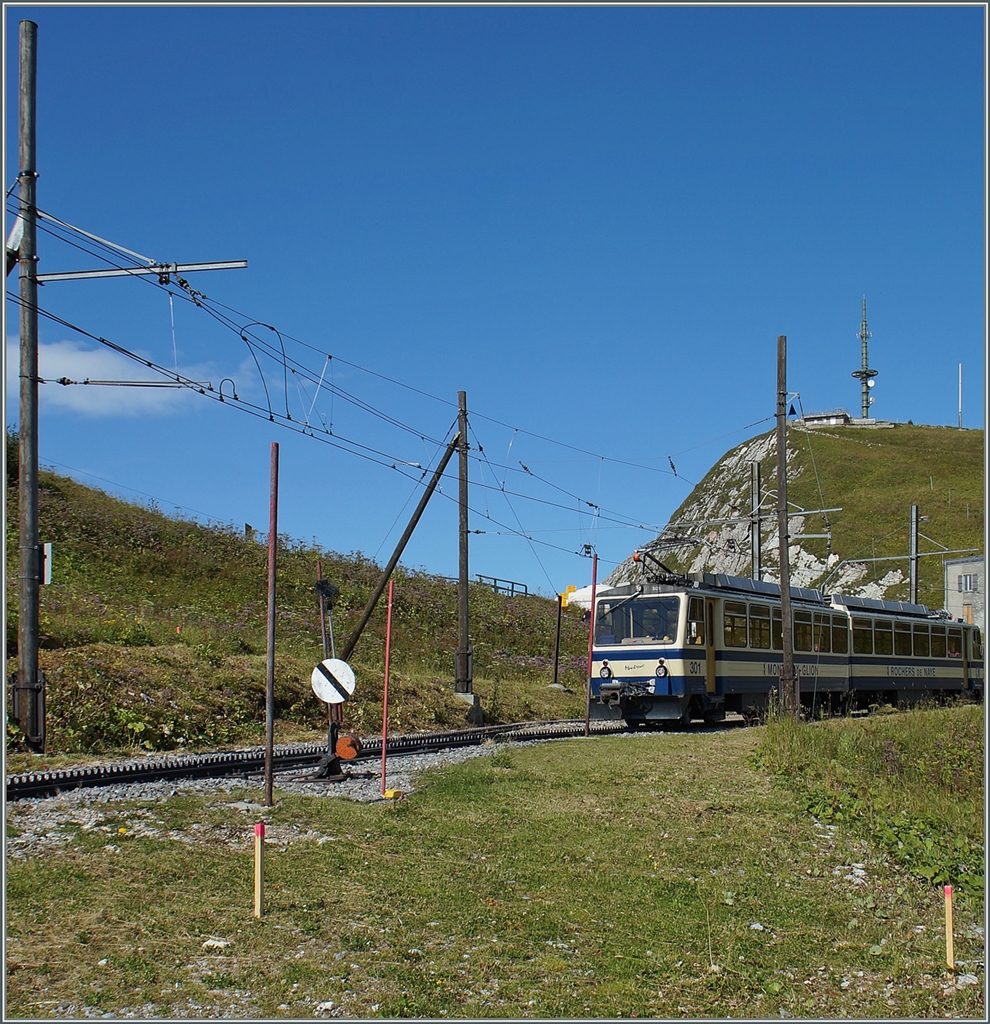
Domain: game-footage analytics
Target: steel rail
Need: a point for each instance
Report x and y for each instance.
(287, 756)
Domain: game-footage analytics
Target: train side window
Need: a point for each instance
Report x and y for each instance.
(862, 636)
(902, 639)
(759, 626)
(922, 638)
(840, 634)
(696, 621)
(938, 641)
(955, 643)
(977, 645)
(734, 620)
(823, 633)
(883, 637)
(777, 629)
(802, 631)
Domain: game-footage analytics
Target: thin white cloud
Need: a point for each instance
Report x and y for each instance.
(73, 360)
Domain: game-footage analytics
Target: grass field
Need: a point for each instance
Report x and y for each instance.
(666, 875)
(153, 633)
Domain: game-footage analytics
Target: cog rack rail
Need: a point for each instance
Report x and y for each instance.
(287, 756)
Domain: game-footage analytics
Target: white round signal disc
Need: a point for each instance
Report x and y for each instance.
(333, 681)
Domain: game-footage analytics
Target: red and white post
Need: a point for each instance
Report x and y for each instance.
(259, 869)
(950, 956)
(591, 642)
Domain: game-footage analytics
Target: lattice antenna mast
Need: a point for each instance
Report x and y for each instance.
(865, 375)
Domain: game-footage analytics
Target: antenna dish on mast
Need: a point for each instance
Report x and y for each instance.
(865, 375)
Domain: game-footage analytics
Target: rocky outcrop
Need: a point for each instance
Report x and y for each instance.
(710, 532)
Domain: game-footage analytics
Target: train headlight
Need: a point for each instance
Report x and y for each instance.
(662, 669)
(605, 672)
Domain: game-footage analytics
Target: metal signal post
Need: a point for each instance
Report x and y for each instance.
(28, 697)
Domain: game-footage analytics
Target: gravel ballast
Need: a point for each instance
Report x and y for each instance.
(39, 823)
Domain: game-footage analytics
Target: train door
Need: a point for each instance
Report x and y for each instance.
(709, 645)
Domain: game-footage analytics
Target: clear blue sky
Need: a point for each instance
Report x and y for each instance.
(595, 221)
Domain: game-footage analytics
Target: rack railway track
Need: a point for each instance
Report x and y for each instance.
(287, 757)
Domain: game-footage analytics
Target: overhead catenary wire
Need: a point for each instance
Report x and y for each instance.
(253, 340)
(336, 440)
(258, 345)
(207, 303)
(516, 517)
(412, 493)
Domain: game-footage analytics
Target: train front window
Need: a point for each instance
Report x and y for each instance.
(638, 620)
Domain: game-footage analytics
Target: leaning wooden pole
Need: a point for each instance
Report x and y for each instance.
(396, 554)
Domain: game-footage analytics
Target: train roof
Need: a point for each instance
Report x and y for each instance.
(760, 588)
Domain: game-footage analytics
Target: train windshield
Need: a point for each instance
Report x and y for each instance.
(637, 620)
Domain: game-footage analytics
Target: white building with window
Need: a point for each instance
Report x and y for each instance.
(965, 589)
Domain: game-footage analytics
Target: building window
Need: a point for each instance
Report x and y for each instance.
(968, 583)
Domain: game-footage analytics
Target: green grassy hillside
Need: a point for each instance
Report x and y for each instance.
(154, 632)
(873, 475)
(876, 476)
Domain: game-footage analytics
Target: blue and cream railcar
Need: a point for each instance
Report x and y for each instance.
(698, 646)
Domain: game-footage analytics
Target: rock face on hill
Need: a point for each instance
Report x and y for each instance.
(863, 473)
